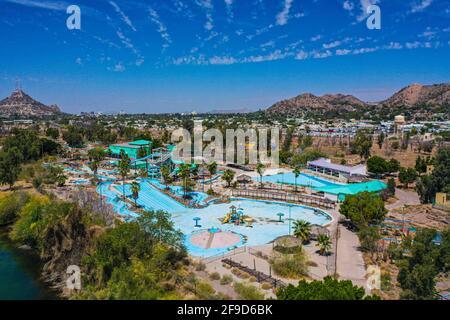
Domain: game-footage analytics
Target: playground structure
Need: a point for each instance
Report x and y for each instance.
(235, 216)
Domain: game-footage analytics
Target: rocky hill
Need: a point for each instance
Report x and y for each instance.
(416, 99)
(21, 104)
(308, 102)
(417, 94)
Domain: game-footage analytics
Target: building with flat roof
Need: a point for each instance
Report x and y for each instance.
(131, 148)
(326, 167)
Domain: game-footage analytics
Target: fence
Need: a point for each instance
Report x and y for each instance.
(224, 255)
(260, 277)
(332, 257)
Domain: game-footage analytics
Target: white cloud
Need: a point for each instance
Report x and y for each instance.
(420, 6)
(364, 50)
(208, 7)
(162, 29)
(301, 55)
(348, 5)
(342, 52)
(364, 5)
(229, 5)
(124, 17)
(394, 45)
(222, 60)
(129, 44)
(332, 44)
(283, 16)
(118, 67)
(315, 38)
(321, 55)
(78, 61)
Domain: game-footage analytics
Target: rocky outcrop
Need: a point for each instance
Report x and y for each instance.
(308, 102)
(417, 94)
(415, 98)
(21, 104)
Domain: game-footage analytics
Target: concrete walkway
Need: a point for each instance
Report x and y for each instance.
(350, 263)
(404, 197)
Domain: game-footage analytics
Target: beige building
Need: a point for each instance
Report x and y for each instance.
(442, 199)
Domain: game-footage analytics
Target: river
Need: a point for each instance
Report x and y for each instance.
(19, 274)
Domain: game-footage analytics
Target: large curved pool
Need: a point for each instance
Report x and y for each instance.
(266, 225)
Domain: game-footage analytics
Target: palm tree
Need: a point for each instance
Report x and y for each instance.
(296, 173)
(260, 169)
(324, 243)
(124, 169)
(228, 176)
(185, 173)
(135, 188)
(165, 173)
(302, 230)
(96, 155)
(212, 168)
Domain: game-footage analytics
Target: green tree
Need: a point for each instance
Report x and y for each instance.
(165, 173)
(393, 165)
(324, 244)
(74, 137)
(380, 140)
(407, 176)
(369, 237)
(391, 186)
(260, 170)
(302, 230)
(10, 161)
(441, 172)
(377, 165)
(363, 208)
(185, 174)
(425, 188)
(212, 168)
(296, 173)
(52, 133)
(362, 144)
(228, 176)
(328, 289)
(135, 188)
(421, 165)
(124, 169)
(96, 156)
(418, 271)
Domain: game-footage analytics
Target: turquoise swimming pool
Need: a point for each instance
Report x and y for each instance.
(198, 198)
(265, 226)
(302, 180)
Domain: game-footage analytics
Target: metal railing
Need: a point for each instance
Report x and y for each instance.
(287, 197)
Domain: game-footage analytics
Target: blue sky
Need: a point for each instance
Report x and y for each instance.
(183, 55)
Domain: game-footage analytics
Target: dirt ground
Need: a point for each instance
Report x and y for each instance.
(337, 149)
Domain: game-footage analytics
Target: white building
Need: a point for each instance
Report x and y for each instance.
(326, 167)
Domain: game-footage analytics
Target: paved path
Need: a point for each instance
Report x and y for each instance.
(350, 263)
(404, 197)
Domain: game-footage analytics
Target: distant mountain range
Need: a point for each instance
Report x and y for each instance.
(22, 105)
(415, 98)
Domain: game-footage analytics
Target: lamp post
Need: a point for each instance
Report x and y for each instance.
(290, 206)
